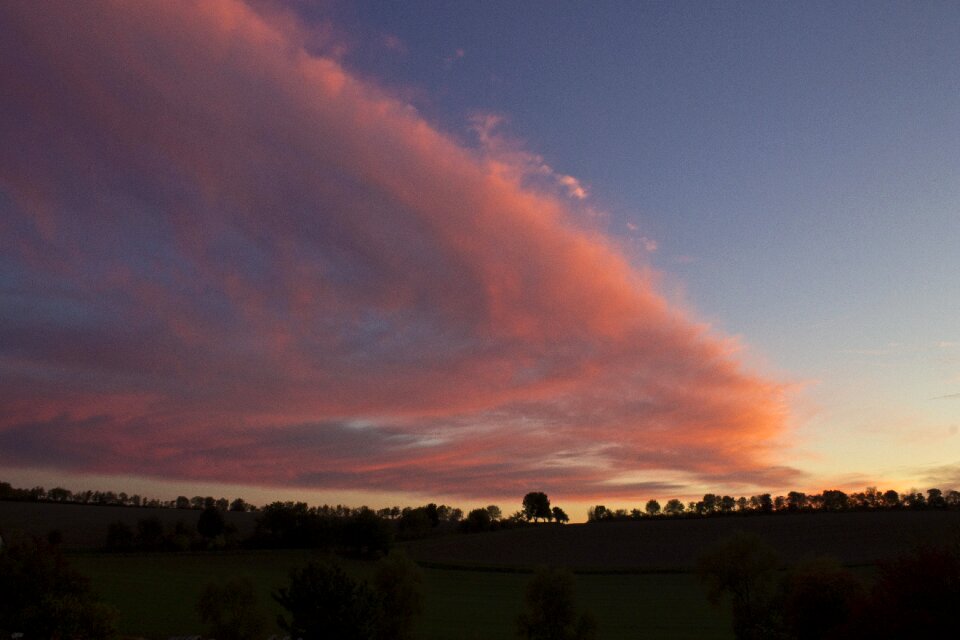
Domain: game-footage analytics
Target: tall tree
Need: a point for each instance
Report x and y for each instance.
(398, 584)
(743, 568)
(536, 505)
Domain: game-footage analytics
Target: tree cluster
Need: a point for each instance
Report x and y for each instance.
(359, 532)
(323, 601)
(793, 502)
(536, 506)
(41, 596)
(149, 534)
(914, 596)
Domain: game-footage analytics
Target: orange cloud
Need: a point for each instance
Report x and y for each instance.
(233, 260)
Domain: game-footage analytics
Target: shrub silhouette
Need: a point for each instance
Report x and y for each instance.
(550, 609)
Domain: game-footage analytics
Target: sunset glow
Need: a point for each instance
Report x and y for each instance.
(236, 254)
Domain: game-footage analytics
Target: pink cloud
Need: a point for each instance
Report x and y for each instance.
(232, 260)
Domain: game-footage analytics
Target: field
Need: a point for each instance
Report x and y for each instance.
(85, 526)
(156, 595)
(854, 538)
(634, 576)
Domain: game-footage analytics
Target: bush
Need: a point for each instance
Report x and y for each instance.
(119, 536)
(819, 598)
(324, 602)
(915, 596)
(744, 568)
(211, 523)
(550, 609)
(398, 584)
(230, 611)
(41, 596)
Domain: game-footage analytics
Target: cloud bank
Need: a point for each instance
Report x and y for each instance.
(224, 257)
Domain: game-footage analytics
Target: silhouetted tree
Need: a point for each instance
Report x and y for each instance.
(230, 611)
(149, 533)
(914, 500)
(559, 515)
(364, 534)
(550, 611)
(796, 501)
(834, 500)
(182, 537)
(819, 598)
(652, 508)
(414, 523)
(935, 499)
(477, 520)
(211, 524)
(119, 536)
(744, 568)
(727, 504)
(536, 505)
(495, 513)
(41, 596)
(673, 508)
(59, 494)
(324, 602)
(710, 503)
(398, 585)
(239, 505)
(766, 504)
(597, 513)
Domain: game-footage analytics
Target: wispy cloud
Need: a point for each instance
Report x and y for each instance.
(223, 251)
(943, 477)
(511, 160)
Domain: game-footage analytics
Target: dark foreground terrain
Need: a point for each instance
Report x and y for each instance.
(636, 577)
(854, 538)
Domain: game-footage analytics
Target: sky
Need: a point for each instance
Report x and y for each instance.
(381, 253)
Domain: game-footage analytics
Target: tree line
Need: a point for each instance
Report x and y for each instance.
(359, 532)
(117, 499)
(794, 502)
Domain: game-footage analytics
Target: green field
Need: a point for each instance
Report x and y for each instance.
(156, 595)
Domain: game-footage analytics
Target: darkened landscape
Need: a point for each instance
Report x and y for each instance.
(633, 576)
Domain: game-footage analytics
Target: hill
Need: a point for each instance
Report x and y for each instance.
(85, 526)
(855, 538)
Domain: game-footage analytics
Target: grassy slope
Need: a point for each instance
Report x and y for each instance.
(85, 526)
(854, 538)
